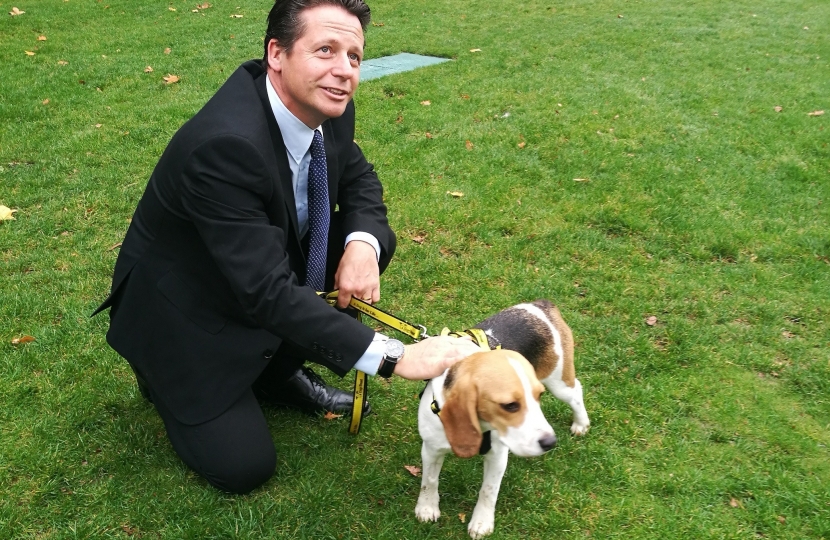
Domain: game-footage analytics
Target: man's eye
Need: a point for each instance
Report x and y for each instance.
(326, 49)
(511, 407)
(354, 58)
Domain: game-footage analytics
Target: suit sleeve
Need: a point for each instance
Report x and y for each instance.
(226, 186)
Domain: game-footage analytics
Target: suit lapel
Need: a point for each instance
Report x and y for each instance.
(284, 171)
(331, 161)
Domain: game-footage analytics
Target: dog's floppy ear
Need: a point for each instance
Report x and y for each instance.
(460, 418)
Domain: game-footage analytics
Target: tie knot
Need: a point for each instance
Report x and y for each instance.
(317, 148)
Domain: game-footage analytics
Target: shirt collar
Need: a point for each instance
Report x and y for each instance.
(296, 135)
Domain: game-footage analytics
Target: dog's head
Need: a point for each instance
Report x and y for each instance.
(501, 388)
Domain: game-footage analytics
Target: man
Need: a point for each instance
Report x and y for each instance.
(213, 296)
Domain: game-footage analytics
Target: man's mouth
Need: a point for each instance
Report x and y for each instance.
(337, 92)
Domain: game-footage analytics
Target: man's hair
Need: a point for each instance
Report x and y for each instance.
(286, 26)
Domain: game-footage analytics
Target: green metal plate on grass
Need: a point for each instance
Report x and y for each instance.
(388, 65)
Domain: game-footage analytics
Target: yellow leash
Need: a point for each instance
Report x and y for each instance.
(416, 332)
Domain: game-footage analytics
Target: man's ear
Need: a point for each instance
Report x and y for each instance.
(460, 418)
(276, 54)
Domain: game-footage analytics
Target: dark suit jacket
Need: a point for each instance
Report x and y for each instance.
(207, 282)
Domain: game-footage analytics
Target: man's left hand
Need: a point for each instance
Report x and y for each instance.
(358, 274)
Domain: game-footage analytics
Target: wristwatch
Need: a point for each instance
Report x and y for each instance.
(393, 353)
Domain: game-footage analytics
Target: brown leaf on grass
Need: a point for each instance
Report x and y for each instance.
(456, 194)
(399, 119)
(521, 144)
(22, 339)
(469, 145)
(413, 470)
(41, 38)
(778, 108)
(148, 69)
(203, 6)
(418, 239)
(15, 12)
(62, 62)
(581, 180)
(118, 244)
(98, 125)
(462, 517)
(171, 79)
(377, 23)
(6, 213)
(331, 416)
(171, 8)
(426, 103)
(619, 16)
(782, 519)
(465, 96)
(30, 53)
(45, 101)
(735, 503)
(128, 529)
(428, 135)
(787, 334)
(167, 50)
(651, 321)
(815, 113)
(475, 50)
(236, 16)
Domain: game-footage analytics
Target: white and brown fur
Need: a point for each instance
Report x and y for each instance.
(499, 391)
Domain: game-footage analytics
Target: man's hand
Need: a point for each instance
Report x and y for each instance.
(430, 357)
(358, 274)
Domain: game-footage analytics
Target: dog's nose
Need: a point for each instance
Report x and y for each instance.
(547, 442)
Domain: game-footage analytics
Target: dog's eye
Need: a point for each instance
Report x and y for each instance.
(511, 407)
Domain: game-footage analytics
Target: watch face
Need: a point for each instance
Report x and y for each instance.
(394, 349)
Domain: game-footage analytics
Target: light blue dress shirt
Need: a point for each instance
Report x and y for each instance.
(297, 138)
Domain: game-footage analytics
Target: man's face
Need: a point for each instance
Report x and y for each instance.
(318, 77)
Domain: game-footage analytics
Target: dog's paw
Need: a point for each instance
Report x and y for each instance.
(427, 512)
(480, 526)
(579, 429)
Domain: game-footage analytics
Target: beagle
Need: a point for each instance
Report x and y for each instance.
(488, 403)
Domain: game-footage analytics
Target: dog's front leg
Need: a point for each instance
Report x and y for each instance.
(495, 463)
(432, 460)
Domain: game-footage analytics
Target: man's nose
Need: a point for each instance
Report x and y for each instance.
(343, 67)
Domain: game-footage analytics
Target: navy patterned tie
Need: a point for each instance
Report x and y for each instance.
(318, 214)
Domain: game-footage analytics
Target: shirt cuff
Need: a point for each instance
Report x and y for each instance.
(370, 361)
(365, 237)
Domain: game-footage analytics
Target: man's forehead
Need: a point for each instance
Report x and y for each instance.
(331, 20)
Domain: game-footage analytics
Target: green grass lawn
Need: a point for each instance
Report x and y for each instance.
(624, 159)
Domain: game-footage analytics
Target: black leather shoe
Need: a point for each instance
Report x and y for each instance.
(306, 391)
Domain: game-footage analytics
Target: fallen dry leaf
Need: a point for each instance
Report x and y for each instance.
(619, 16)
(45, 101)
(521, 144)
(30, 53)
(418, 239)
(455, 194)
(399, 119)
(778, 108)
(787, 334)
(581, 180)
(735, 503)
(331, 416)
(62, 62)
(114, 246)
(148, 69)
(171, 79)
(469, 145)
(426, 103)
(428, 135)
(651, 321)
(203, 6)
(167, 50)
(782, 519)
(377, 23)
(236, 16)
(14, 12)
(22, 339)
(171, 8)
(462, 517)
(475, 50)
(815, 113)
(6, 213)
(41, 38)
(413, 470)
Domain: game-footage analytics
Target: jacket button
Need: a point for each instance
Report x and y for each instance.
(268, 354)
(339, 357)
